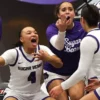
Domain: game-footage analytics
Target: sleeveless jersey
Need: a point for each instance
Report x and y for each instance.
(94, 70)
(26, 71)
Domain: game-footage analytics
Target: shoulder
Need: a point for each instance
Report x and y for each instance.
(78, 27)
(88, 41)
(43, 47)
(12, 51)
(51, 27)
(77, 24)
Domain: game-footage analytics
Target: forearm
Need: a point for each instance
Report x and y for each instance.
(2, 62)
(55, 61)
(57, 41)
(75, 78)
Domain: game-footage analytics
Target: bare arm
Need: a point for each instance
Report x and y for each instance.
(54, 61)
(47, 55)
(2, 61)
(94, 84)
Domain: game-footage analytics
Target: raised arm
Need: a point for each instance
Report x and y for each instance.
(57, 41)
(56, 33)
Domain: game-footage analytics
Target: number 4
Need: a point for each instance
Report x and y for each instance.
(32, 77)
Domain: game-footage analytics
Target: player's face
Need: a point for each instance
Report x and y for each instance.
(29, 37)
(67, 9)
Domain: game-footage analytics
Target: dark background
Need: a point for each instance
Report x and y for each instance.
(16, 15)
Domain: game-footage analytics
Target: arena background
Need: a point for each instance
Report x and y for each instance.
(15, 15)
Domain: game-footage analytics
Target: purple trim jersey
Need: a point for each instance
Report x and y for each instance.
(70, 54)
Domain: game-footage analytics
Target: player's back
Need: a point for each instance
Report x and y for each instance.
(94, 70)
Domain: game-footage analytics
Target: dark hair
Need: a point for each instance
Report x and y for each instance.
(57, 7)
(19, 43)
(91, 14)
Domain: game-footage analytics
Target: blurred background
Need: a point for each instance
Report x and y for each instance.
(17, 14)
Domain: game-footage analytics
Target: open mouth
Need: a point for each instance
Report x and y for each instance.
(68, 18)
(33, 40)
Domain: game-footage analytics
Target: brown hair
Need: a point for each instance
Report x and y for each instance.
(57, 7)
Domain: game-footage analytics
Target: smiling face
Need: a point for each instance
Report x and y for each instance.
(29, 37)
(66, 9)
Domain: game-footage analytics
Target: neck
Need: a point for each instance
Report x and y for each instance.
(29, 50)
(71, 26)
(91, 28)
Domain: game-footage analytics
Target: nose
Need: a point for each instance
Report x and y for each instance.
(67, 11)
(33, 34)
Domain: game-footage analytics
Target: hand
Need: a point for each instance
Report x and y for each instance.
(62, 23)
(56, 91)
(42, 55)
(93, 84)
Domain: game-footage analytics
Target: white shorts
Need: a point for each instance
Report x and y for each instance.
(37, 96)
(50, 76)
(97, 93)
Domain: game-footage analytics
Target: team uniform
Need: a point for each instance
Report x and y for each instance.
(89, 65)
(26, 72)
(69, 55)
(94, 71)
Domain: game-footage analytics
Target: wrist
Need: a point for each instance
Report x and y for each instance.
(63, 86)
(61, 32)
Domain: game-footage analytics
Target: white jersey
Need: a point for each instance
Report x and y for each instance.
(89, 64)
(94, 71)
(25, 71)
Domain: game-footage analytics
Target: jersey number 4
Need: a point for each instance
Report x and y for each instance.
(32, 77)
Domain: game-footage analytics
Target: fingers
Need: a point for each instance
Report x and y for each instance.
(92, 80)
(52, 94)
(41, 51)
(90, 87)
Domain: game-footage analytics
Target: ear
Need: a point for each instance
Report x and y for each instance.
(82, 20)
(58, 15)
(21, 39)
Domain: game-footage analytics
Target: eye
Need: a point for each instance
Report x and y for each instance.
(29, 32)
(70, 9)
(63, 9)
(35, 32)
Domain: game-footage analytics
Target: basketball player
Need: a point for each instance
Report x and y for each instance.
(26, 65)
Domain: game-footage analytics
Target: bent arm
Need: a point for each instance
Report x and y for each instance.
(87, 48)
(51, 58)
(55, 61)
(57, 41)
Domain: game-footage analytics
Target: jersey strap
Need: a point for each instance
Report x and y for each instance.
(96, 41)
(16, 58)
